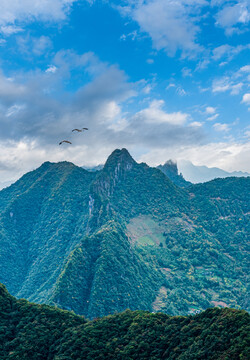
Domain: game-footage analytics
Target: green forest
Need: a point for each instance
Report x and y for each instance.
(40, 332)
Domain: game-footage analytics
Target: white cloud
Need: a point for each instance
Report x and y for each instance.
(230, 156)
(210, 110)
(221, 85)
(147, 89)
(15, 11)
(232, 16)
(196, 124)
(247, 134)
(221, 127)
(226, 84)
(178, 89)
(176, 25)
(213, 117)
(220, 51)
(203, 64)
(186, 72)
(14, 109)
(150, 61)
(236, 88)
(51, 69)
(244, 74)
(211, 113)
(228, 51)
(172, 25)
(10, 29)
(171, 85)
(132, 35)
(10, 88)
(67, 60)
(155, 114)
(246, 98)
(37, 46)
(41, 45)
(245, 69)
(234, 81)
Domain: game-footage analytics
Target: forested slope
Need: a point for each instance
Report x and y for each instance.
(42, 217)
(40, 332)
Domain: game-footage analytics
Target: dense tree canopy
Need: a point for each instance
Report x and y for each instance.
(39, 332)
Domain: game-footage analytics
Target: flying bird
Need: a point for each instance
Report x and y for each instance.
(79, 130)
(65, 141)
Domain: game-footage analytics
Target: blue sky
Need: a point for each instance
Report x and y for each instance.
(165, 79)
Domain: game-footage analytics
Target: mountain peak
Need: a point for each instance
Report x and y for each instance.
(120, 158)
(115, 169)
(170, 169)
(171, 165)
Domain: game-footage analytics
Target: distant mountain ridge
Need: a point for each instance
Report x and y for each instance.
(199, 174)
(124, 237)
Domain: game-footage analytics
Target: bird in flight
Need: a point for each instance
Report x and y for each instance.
(79, 130)
(65, 141)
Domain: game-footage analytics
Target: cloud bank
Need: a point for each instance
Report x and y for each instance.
(37, 111)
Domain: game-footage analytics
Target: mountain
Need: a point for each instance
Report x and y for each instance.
(124, 237)
(94, 168)
(36, 332)
(43, 216)
(199, 174)
(4, 184)
(171, 171)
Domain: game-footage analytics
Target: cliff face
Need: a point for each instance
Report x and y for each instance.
(115, 170)
(117, 165)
